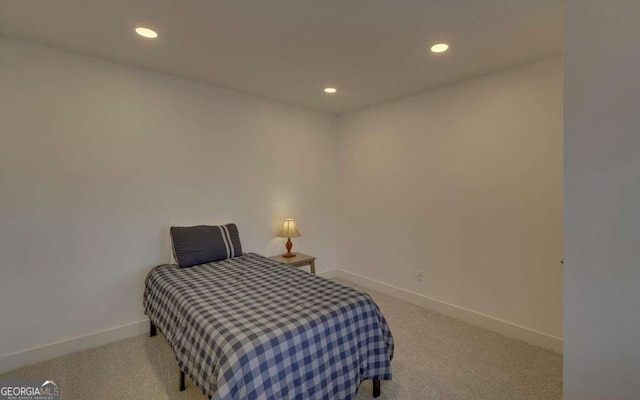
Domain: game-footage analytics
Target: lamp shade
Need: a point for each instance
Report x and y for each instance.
(289, 229)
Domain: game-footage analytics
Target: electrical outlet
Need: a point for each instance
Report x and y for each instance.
(419, 275)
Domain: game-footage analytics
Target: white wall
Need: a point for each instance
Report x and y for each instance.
(464, 183)
(98, 159)
(602, 200)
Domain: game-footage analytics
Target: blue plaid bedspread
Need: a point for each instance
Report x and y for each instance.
(251, 328)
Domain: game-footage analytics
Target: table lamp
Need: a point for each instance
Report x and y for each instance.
(289, 230)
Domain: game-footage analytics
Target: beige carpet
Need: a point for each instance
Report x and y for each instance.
(436, 358)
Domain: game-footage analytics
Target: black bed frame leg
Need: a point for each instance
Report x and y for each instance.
(152, 329)
(182, 385)
(376, 388)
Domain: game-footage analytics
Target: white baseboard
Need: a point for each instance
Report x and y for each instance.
(35, 355)
(485, 321)
(38, 354)
(332, 273)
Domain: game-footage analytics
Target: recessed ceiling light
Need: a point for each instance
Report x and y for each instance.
(146, 32)
(440, 47)
(330, 90)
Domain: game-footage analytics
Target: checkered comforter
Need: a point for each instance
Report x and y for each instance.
(251, 328)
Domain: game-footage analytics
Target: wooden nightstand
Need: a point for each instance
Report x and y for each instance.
(300, 260)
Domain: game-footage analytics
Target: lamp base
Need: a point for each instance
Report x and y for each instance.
(289, 245)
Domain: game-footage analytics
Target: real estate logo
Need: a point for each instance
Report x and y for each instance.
(29, 390)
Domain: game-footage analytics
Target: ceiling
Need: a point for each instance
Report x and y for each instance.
(289, 50)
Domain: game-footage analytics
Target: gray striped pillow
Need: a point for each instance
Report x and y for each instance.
(195, 245)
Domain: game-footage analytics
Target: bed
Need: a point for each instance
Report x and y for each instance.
(248, 327)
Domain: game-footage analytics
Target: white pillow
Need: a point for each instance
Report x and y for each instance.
(172, 257)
